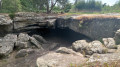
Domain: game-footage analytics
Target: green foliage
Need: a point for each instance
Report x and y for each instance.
(84, 6)
(67, 7)
(12, 15)
(90, 5)
(11, 6)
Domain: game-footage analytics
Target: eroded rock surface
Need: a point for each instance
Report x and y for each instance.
(109, 43)
(60, 59)
(105, 58)
(7, 44)
(24, 52)
(117, 37)
(89, 48)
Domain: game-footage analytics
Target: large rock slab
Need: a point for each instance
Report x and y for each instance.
(104, 58)
(95, 28)
(28, 20)
(36, 42)
(39, 38)
(53, 59)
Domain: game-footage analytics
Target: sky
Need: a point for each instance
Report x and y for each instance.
(109, 2)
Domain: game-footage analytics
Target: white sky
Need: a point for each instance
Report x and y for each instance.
(109, 2)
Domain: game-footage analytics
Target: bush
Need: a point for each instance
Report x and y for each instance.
(12, 15)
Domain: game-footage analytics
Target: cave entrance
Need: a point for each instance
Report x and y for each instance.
(65, 36)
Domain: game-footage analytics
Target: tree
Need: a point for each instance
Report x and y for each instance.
(50, 5)
(11, 6)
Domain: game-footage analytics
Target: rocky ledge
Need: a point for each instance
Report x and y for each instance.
(19, 48)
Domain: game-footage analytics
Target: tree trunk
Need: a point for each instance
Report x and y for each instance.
(50, 8)
(0, 4)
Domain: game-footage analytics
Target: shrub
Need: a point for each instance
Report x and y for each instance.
(12, 15)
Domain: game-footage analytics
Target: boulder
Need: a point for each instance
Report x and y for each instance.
(21, 45)
(7, 44)
(97, 47)
(53, 59)
(104, 58)
(117, 37)
(22, 37)
(88, 48)
(10, 38)
(80, 45)
(6, 48)
(24, 52)
(109, 43)
(36, 43)
(39, 38)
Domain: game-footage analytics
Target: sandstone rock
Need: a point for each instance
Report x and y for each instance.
(5, 24)
(112, 50)
(80, 45)
(104, 58)
(36, 43)
(10, 38)
(59, 60)
(7, 44)
(21, 45)
(109, 43)
(24, 52)
(65, 50)
(23, 37)
(5, 20)
(51, 22)
(39, 38)
(118, 48)
(97, 47)
(6, 48)
(25, 19)
(89, 48)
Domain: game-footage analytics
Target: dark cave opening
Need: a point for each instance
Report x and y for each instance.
(64, 36)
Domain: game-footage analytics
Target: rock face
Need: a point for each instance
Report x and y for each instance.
(6, 24)
(117, 37)
(30, 20)
(109, 43)
(53, 59)
(93, 28)
(89, 48)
